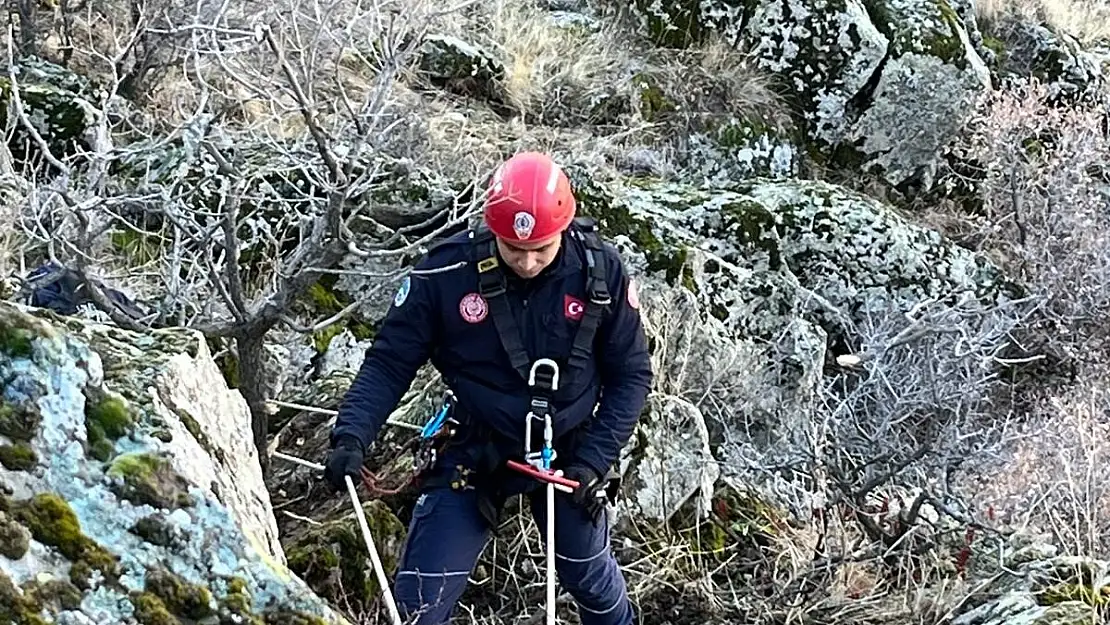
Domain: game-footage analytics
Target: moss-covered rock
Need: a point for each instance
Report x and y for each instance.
(15, 608)
(15, 342)
(824, 53)
(1047, 53)
(53, 523)
(14, 538)
(682, 23)
(56, 100)
(768, 235)
(19, 422)
(73, 517)
(147, 478)
(333, 560)
(459, 66)
(18, 457)
(924, 91)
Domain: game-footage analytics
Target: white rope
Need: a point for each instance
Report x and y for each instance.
(379, 570)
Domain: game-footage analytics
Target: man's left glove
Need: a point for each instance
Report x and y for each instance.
(343, 460)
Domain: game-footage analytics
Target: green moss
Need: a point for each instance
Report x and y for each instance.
(150, 610)
(18, 457)
(54, 595)
(1071, 591)
(14, 540)
(15, 608)
(19, 423)
(654, 104)
(949, 46)
(996, 45)
(15, 342)
(331, 557)
(324, 299)
(939, 36)
(139, 247)
(106, 419)
(290, 617)
(52, 522)
(146, 478)
(181, 598)
(198, 433)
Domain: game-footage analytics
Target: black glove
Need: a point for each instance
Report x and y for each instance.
(343, 460)
(589, 483)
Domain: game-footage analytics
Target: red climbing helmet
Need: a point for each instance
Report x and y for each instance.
(529, 199)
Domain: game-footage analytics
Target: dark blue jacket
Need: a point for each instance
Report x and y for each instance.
(428, 323)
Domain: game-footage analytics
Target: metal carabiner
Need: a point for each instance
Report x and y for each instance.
(554, 366)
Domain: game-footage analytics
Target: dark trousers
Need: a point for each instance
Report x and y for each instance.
(448, 532)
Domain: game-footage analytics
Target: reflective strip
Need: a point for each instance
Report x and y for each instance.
(447, 574)
(593, 557)
(606, 610)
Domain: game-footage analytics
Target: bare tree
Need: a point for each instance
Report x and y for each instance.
(274, 172)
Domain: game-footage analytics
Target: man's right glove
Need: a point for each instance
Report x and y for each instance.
(343, 460)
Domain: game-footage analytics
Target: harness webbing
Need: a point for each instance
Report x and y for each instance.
(492, 284)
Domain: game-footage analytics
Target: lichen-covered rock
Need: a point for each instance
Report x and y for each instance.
(681, 23)
(776, 236)
(670, 461)
(169, 517)
(926, 88)
(738, 149)
(1037, 587)
(1051, 55)
(57, 102)
(460, 66)
(824, 51)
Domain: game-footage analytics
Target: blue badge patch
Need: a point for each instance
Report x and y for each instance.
(402, 291)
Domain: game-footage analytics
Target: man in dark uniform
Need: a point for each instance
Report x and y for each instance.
(534, 283)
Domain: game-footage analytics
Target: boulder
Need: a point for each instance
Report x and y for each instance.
(141, 495)
(1036, 586)
(1051, 55)
(925, 90)
(459, 66)
(58, 103)
(885, 84)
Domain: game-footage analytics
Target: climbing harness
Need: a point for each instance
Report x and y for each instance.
(492, 286)
(425, 449)
(538, 464)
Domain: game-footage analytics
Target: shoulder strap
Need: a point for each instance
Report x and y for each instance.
(492, 287)
(597, 290)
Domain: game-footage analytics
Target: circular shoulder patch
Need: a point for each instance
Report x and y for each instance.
(473, 308)
(403, 291)
(633, 294)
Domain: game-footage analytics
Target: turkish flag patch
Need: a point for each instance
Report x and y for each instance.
(573, 307)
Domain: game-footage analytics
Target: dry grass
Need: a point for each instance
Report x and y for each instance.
(1054, 481)
(1087, 20)
(550, 66)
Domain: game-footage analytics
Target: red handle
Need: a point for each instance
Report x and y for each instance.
(541, 475)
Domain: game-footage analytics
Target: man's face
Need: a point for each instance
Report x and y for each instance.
(527, 260)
